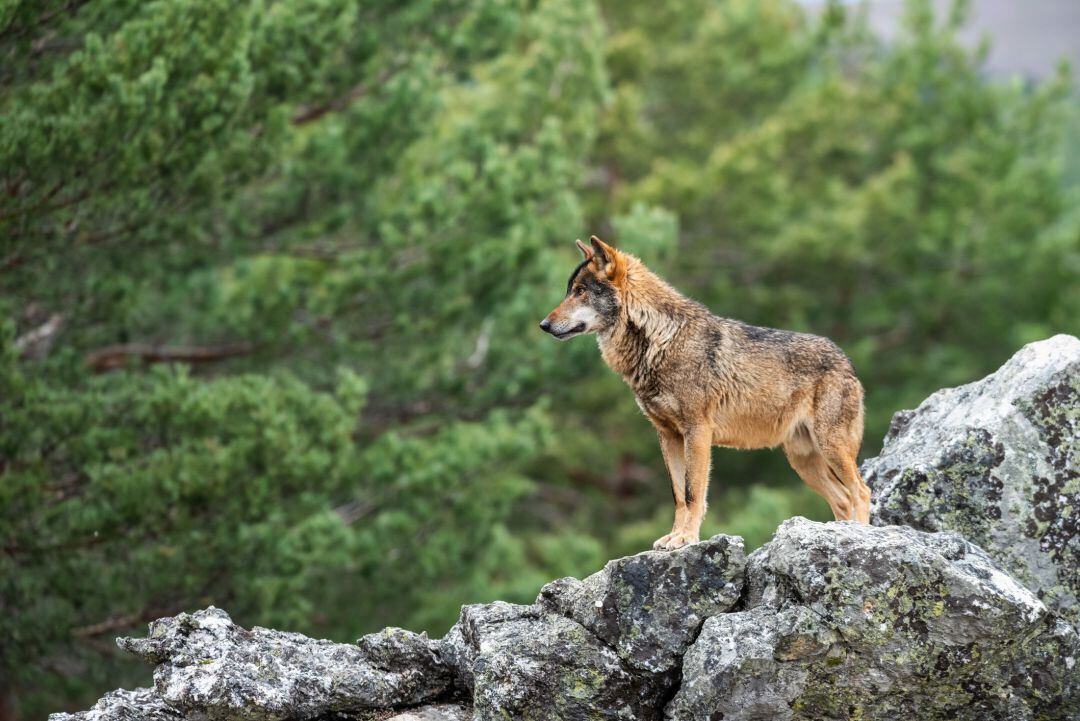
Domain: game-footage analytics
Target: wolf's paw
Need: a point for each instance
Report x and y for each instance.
(674, 540)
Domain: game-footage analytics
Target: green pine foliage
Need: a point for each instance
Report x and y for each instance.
(369, 196)
(376, 200)
(885, 196)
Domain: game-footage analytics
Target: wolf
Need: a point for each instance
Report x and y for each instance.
(703, 380)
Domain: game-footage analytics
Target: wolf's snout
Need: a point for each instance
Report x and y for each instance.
(545, 325)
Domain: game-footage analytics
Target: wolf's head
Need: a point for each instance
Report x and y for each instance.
(592, 294)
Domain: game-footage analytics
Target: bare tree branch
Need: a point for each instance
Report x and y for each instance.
(119, 622)
(117, 356)
(314, 112)
(35, 344)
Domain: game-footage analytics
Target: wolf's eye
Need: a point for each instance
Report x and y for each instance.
(579, 291)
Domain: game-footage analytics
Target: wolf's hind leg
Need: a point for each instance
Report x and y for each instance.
(837, 434)
(812, 468)
(843, 468)
(839, 458)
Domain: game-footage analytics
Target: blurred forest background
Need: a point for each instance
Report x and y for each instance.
(271, 273)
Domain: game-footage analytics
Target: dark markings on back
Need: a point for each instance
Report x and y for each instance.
(801, 351)
(767, 335)
(574, 275)
(682, 310)
(714, 343)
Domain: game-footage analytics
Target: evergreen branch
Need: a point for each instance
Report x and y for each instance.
(11, 30)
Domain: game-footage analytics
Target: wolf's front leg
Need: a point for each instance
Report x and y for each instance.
(671, 445)
(695, 453)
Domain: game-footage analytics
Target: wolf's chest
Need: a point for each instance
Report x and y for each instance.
(663, 409)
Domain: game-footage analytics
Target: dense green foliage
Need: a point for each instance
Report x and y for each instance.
(377, 202)
(892, 201)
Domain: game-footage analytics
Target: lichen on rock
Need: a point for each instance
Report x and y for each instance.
(142, 704)
(207, 664)
(852, 621)
(998, 461)
(528, 662)
(648, 607)
(437, 712)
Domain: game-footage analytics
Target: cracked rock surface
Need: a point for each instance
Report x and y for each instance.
(142, 704)
(853, 621)
(606, 647)
(525, 662)
(209, 665)
(440, 712)
(648, 607)
(959, 606)
(998, 461)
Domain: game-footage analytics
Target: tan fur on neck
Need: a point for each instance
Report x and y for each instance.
(644, 296)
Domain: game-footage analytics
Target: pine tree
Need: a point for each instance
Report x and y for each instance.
(357, 202)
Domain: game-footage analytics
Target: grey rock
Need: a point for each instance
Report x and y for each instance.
(852, 621)
(142, 704)
(740, 666)
(606, 647)
(527, 662)
(207, 664)
(649, 607)
(998, 461)
(440, 712)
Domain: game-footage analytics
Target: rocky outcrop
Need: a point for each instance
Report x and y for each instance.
(207, 664)
(850, 621)
(650, 606)
(826, 621)
(997, 461)
(829, 620)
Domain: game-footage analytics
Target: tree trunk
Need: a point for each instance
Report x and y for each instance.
(9, 710)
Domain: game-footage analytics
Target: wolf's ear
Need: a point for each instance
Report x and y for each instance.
(609, 261)
(603, 251)
(585, 250)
